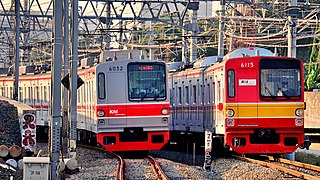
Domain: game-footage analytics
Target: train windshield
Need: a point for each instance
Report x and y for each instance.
(147, 81)
(280, 78)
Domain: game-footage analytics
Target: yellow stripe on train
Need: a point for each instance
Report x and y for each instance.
(263, 110)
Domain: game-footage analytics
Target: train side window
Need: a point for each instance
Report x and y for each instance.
(101, 86)
(231, 83)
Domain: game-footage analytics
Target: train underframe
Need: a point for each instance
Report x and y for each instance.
(264, 140)
(241, 141)
(133, 139)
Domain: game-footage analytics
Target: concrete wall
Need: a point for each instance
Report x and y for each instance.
(312, 113)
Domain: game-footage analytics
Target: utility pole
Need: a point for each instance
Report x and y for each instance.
(55, 119)
(17, 47)
(221, 28)
(292, 29)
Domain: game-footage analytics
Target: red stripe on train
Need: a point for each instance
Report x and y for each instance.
(120, 110)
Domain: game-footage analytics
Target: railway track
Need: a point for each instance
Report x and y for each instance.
(296, 169)
(130, 167)
(157, 168)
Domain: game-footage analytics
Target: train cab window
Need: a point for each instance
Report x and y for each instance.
(231, 83)
(280, 78)
(147, 81)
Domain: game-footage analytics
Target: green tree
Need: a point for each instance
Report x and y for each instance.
(312, 74)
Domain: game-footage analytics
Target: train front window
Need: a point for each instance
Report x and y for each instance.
(147, 81)
(280, 78)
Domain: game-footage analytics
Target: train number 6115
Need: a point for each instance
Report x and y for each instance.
(247, 65)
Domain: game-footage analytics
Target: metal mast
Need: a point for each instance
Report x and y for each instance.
(55, 118)
(292, 29)
(73, 79)
(17, 47)
(65, 97)
(221, 28)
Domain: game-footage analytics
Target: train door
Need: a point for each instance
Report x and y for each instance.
(247, 96)
(117, 98)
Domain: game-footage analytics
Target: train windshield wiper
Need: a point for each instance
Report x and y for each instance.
(285, 95)
(148, 93)
(270, 93)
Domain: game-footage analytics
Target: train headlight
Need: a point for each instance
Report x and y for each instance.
(164, 111)
(299, 112)
(230, 122)
(230, 113)
(299, 122)
(100, 113)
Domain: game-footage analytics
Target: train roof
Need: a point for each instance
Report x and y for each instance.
(248, 52)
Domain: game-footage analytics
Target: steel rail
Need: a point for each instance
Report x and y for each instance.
(295, 163)
(121, 164)
(286, 170)
(157, 168)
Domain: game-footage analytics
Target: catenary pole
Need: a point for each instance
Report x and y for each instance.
(17, 46)
(73, 78)
(55, 119)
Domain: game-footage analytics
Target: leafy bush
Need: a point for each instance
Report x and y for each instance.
(307, 158)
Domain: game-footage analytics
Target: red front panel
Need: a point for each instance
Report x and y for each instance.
(133, 146)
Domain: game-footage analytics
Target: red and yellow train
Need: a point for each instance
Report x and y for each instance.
(252, 103)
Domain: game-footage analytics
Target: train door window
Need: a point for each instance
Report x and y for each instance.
(78, 95)
(44, 94)
(194, 94)
(88, 93)
(187, 94)
(219, 91)
(209, 94)
(101, 86)
(231, 83)
(20, 94)
(37, 94)
(11, 92)
(41, 94)
(179, 94)
(29, 94)
(213, 92)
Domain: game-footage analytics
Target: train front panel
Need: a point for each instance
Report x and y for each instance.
(264, 105)
(132, 105)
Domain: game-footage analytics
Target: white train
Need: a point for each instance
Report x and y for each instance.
(123, 105)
